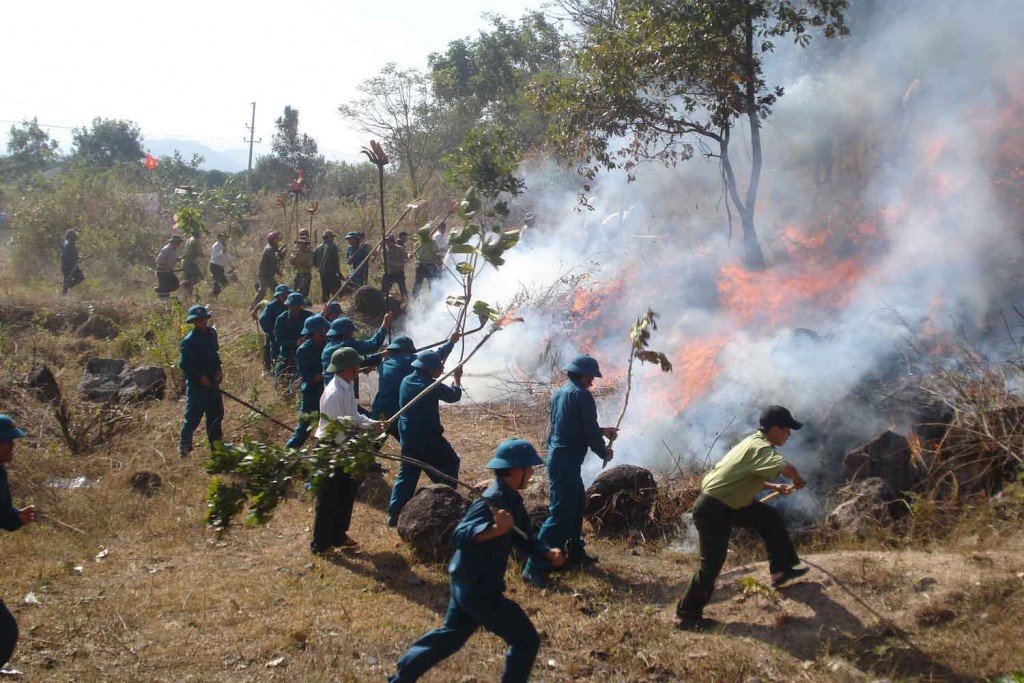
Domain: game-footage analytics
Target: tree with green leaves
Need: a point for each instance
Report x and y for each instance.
(29, 149)
(659, 81)
(107, 142)
(291, 151)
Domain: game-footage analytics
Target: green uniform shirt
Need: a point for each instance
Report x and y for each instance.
(303, 261)
(737, 477)
(191, 255)
(426, 252)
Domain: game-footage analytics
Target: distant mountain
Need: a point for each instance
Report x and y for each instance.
(229, 160)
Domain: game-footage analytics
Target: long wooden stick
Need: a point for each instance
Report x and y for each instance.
(625, 403)
(57, 521)
(445, 341)
(254, 409)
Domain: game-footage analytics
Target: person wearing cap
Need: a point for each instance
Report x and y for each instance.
(270, 266)
(302, 262)
(267, 318)
(311, 373)
(403, 239)
(426, 259)
(288, 330)
(220, 261)
(394, 268)
(529, 220)
(394, 369)
(11, 519)
(200, 365)
(327, 260)
(332, 311)
(420, 429)
(727, 500)
(166, 264)
(482, 541)
(574, 430)
(357, 258)
(343, 334)
(336, 496)
(191, 271)
(72, 274)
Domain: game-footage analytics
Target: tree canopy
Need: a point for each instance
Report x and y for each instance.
(107, 142)
(30, 149)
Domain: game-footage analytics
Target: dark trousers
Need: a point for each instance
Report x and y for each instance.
(220, 279)
(424, 273)
(72, 278)
(201, 402)
(303, 281)
(330, 283)
(166, 283)
(263, 285)
(466, 613)
(394, 279)
(334, 500)
(563, 527)
(309, 403)
(8, 634)
(714, 521)
(436, 452)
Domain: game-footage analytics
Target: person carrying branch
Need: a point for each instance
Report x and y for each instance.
(393, 371)
(72, 274)
(302, 262)
(200, 364)
(191, 271)
(574, 431)
(482, 542)
(11, 519)
(336, 496)
(727, 500)
(311, 372)
(420, 429)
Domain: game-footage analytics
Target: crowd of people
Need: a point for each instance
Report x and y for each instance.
(321, 353)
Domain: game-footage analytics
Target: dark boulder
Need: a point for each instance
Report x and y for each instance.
(620, 499)
(43, 384)
(112, 380)
(146, 483)
(427, 521)
(98, 327)
(887, 456)
(865, 507)
(368, 302)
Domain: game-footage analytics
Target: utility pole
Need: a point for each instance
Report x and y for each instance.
(251, 140)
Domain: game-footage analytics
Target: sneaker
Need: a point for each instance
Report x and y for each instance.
(698, 625)
(789, 575)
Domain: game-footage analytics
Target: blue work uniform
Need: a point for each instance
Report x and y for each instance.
(574, 430)
(355, 256)
(200, 356)
(267, 319)
(307, 359)
(9, 521)
(287, 330)
(367, 348)
(392, 371)
(477, 599)
(422, 437)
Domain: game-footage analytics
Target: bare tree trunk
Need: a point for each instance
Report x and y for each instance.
(753, 257)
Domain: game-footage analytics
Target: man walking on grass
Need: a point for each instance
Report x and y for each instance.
(727, 500)
(200, 364)
(72, 274)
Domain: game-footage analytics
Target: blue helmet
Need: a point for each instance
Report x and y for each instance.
(402, 343)
(295, 299)
(514, 453)
(428, 360)
(197, 313)
(340, 327)
(584, 365)
(353, 235)
(8, 432)
(315, 323)
(333, 307)
(282, 290)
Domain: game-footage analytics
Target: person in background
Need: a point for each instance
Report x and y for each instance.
(11, 519)
(727, 500)
(394, 268)
(482, 541)
(269, 267)
(357, 258)
(426, 259)
(191, 271)
(574, 431)
(220, 262)
(302, 262)
(311, 372)
(287, 331)
(327, 260)
(72, 274)
(200, 365)
(166, 264)
(267, 319)
(393, 371)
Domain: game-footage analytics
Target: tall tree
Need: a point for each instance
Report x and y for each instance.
(399, 109)
(107, 142)
(290, 152)
(30, 149)
(674, 76)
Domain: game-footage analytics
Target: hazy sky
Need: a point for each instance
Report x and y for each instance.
(190, 69)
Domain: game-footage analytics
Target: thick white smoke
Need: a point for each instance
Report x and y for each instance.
(911, 239)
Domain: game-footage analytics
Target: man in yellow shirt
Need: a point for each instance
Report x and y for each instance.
(727, 500)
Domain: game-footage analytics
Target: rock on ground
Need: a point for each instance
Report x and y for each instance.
(43, 384)
(427, 521)
(146, 483)
(113, 380)
(620, 499)
(98, 327)
(887, 456)
(865, 507)
(368, 301)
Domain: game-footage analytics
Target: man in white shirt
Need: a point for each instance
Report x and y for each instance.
(220, 261)
(335, 497)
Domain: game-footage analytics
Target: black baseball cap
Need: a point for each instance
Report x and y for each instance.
(777, 416)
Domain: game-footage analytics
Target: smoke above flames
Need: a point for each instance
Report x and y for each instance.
(890, 210)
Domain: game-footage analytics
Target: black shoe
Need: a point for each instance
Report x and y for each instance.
(392, 521)
(789, 575)
(580, 558)
(698, 625)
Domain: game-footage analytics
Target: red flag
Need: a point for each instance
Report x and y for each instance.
(150, 162)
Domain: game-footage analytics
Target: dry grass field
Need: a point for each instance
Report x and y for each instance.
(147, 593)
